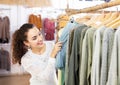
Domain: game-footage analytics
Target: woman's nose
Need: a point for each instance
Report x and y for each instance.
(40, 38)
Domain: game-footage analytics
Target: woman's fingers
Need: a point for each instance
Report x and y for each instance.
(58, 46)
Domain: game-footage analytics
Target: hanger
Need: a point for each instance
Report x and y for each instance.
(109, 18)
(115, 25)
(99, 20)
(108, 15)
(92, 19)
(96, 20)
(115, 18)
(83, 19)
(112, 19)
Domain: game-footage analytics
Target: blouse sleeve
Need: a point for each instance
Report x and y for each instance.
(36, 68)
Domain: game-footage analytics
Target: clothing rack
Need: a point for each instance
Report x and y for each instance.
(93, 8)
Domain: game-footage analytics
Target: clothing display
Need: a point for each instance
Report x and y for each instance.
(35, 19)
(41, 67)
(5, 62)
(107, 46)
(114, 69)
(49, 29)
(4, 29)
(88, 55)
(74, 58)
(60, 58)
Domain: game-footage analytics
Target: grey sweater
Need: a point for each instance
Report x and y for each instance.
(107, 45)
(114, 71)
(97, 43)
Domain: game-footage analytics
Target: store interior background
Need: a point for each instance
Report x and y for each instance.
(18, 12)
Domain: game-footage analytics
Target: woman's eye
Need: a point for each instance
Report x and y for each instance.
(34, 38)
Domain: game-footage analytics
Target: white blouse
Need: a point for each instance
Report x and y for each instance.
(41, 67)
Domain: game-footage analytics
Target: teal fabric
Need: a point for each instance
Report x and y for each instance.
(60, 58)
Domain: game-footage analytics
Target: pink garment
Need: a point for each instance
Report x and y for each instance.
(49, 29)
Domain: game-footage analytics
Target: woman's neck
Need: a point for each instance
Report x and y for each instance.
(39, 50)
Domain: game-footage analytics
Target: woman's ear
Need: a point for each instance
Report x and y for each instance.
(26, 43)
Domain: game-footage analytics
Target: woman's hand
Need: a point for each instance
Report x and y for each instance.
(56, 49)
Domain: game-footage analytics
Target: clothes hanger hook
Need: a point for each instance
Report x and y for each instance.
(117, 9)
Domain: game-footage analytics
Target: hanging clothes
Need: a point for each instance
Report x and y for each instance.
(86, 57)
(60, 58)
(49, 29)
(74, 58)
(5, 60)
(69, 50)
(4, 29)
(97, 48)
(36, 20)
(114, 69)
(107, 45)
(68, 53)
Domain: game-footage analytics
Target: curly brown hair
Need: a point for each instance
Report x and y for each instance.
(18, 46)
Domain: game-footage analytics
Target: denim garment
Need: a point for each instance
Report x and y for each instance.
(60, 58)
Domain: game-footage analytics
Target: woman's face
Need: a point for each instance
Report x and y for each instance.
(34, 38)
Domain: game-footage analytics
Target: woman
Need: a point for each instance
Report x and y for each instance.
(36, 55)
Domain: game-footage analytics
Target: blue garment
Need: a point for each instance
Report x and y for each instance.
(60, 58)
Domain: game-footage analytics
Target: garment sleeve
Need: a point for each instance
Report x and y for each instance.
(36, 69)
